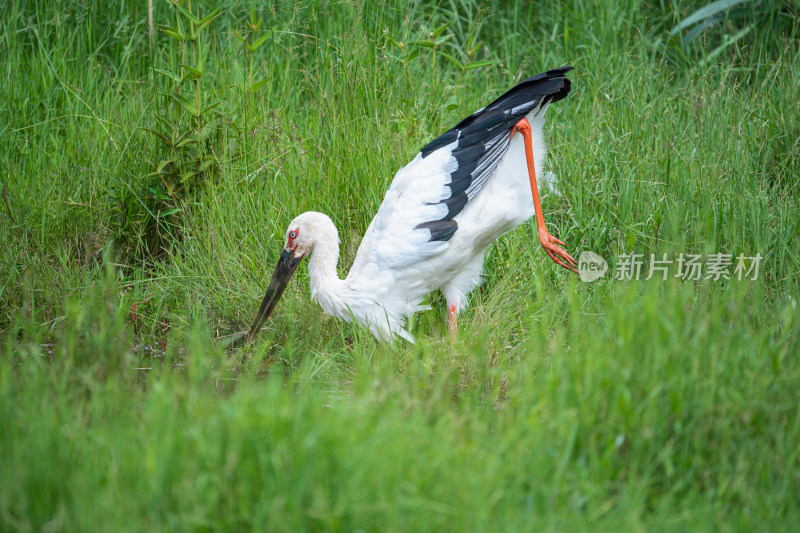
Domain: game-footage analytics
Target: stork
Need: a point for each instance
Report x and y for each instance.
(462, 191)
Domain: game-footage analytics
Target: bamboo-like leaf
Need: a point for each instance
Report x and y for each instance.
(184, 142)
(442, 39)
(186, 103)
(453, 60)
(171, 75)
(172, 32)
(424, 44)
(187, 76)
(162, 164)
(438, 31)
(183, 137)
(209, 19)
(165, 27)
(197, 72)
(479, 64)
(186, 13)
(211, 16)
(258, 85)
(236, 33)
(261, 40)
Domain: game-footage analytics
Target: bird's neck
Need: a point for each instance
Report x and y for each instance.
(326, 287)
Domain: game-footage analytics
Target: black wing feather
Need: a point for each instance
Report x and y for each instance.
(483, 139)
(441, 230)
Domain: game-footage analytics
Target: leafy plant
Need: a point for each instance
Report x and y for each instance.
(251, 83)
(191, 119)
(186, 122)
(251, 44)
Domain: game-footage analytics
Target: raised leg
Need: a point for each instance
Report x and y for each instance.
(549, 243)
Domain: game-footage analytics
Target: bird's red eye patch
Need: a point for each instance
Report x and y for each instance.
(293, 234)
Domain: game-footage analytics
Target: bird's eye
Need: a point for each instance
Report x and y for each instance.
(292, 234)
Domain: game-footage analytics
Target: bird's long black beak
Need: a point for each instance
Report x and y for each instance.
(283, 273)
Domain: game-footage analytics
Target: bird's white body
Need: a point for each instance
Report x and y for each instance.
(396, 266)
(461, 192)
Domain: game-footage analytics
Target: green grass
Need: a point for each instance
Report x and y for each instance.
(562, 405)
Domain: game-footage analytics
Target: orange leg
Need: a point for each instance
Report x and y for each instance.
(549, 243)
(452, 320)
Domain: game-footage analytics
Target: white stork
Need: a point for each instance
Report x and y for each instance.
(463, 190)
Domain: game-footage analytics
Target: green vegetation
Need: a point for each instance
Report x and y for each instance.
(146, 189)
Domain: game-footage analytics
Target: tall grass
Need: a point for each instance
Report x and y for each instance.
(561, 405)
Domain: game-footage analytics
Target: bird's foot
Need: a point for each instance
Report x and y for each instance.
(556, 253)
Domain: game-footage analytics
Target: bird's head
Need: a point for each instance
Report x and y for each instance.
(304, 232)
(301, 237)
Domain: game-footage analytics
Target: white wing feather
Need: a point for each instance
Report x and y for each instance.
(393, 240)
